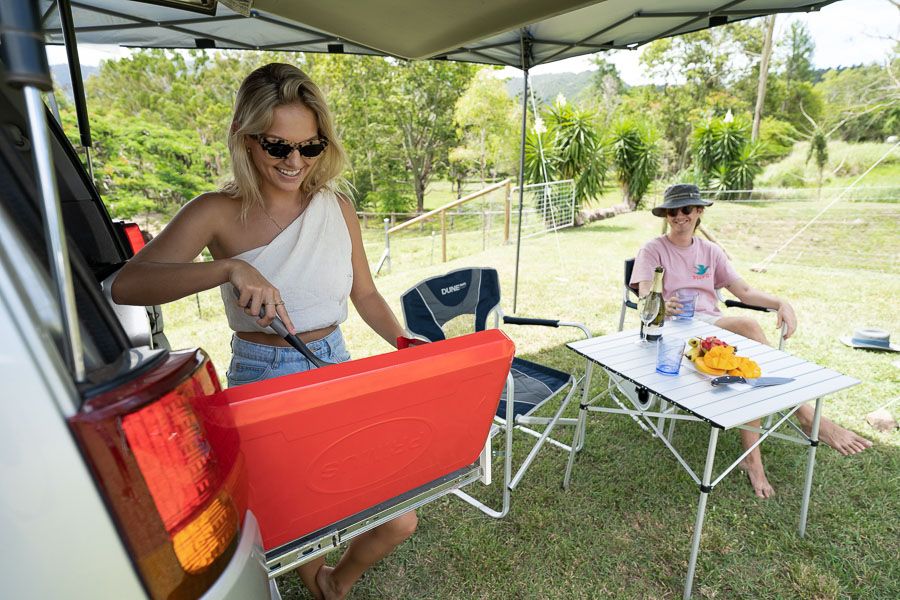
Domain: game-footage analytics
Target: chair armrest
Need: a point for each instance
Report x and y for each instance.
(737, 304)
(530, 321)
(546, 323)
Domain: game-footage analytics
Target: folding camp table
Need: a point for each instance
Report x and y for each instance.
(632, 374)
(325, 455)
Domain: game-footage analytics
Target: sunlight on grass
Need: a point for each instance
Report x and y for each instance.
(623, 530)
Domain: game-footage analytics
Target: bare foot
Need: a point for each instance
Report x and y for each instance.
(327, 584)
(843, 440)
(757, 476)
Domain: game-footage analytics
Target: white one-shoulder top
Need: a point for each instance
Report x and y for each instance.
(309, 263)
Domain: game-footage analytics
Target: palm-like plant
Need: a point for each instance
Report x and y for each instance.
(635, 157)
(724, 156)
(571, 149)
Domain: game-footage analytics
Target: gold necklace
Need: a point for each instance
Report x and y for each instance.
(280, 228)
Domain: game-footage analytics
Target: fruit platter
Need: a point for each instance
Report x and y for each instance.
(712, 356)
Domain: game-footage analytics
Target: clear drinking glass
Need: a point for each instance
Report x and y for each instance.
(687, 297)
(668, 355)
(648, 308)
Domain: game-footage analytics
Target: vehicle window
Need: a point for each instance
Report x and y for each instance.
(103, 339)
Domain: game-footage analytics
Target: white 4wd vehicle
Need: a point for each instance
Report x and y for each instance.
(93, 504)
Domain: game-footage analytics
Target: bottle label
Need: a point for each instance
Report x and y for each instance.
(653, 332)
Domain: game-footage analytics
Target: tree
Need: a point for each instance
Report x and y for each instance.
(862, 103)
(357, 88)
(484, 119)
(707, 60)
(421, 101)
(635, 157)
(607, 86)
(763, 76)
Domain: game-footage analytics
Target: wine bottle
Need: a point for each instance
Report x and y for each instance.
(653, 330)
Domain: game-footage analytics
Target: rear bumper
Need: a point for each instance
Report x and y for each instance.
(245, 577)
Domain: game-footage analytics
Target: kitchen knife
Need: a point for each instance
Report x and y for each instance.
(758, 382)
(294, 340)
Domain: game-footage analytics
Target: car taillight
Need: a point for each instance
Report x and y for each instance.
(134, 236)
(174, 497)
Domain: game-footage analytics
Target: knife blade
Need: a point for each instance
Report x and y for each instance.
(758, 382)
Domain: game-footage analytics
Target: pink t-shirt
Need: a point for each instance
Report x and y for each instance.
(702, 266)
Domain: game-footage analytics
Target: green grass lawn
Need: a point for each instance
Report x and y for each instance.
(623, 529)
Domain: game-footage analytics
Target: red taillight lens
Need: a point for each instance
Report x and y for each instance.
(174, 457)
(171, 493)
(134, 236)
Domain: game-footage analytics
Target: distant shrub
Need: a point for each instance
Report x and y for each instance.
(778, 138)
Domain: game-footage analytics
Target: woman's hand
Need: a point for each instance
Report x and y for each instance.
(255, 292)
(787, 317)
(673, 307)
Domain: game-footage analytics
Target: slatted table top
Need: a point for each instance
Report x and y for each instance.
(723, 406)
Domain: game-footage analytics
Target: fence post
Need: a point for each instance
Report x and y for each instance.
(443, 236)
(484, 229)
(386, 255)
(506, 204)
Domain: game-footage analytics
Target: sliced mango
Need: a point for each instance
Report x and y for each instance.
(703, 367)
(721, 357)
(746, 368)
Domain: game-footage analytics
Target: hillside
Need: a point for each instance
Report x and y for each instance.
(63, 80)
(548, 87)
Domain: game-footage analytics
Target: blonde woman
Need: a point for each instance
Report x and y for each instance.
(284, 236)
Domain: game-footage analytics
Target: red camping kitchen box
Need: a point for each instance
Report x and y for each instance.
(320, 446)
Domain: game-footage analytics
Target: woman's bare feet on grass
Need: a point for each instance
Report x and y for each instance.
(328, 586)
(757, 476)
(843, 440)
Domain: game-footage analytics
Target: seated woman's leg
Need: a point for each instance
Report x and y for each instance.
(752, 465)
(307, 574)
(363, 552)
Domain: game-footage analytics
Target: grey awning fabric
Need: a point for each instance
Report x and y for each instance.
(481, 31)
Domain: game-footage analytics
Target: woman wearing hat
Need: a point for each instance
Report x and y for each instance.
(696, 263)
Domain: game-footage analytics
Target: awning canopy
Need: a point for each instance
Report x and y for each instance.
(478, 31)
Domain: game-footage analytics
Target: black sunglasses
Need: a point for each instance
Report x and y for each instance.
(685, 210)
(282, 149)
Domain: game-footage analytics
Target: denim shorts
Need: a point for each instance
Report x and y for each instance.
(251, 362)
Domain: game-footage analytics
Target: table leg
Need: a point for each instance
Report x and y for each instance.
(579, 435)
(810, 465)
(701, 510)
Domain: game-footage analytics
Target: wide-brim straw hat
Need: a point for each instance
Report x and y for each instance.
(871, 339)
(678, 195)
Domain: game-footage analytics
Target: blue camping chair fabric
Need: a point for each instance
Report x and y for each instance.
(427, 308)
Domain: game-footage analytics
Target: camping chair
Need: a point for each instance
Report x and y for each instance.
(639, 395)
(431, 304)
(628, 302)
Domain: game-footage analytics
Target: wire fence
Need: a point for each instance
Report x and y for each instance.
(485, 219)
(884, 193)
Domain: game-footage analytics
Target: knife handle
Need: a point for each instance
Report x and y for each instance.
(294, 340)
(727, 379)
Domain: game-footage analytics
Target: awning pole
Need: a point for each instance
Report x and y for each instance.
(525, 49)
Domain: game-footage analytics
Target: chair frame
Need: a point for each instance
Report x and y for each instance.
(522, 422)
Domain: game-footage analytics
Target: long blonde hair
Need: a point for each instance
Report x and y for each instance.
(270, 86)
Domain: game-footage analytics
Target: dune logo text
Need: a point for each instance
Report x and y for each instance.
(453, 288)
